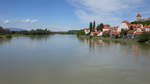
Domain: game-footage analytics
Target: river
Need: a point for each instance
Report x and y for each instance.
(68, 59)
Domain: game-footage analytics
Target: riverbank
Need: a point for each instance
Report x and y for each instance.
(5, 36)
(118, 40)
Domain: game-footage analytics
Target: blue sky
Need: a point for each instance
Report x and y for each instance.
(68, 14)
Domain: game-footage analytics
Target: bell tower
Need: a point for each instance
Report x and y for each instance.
(138, 17)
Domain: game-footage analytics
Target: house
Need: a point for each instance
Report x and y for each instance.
(147, 28)
(115, 32)
(86, 30)
(130, 34)
(124, 25)
(98, 33)
(136, 26)
(138, 17)
(107, 28)
(134, 34)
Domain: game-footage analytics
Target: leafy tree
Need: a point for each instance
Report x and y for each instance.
(1, 30)
(131, 28)
(100, 27)
(81, 32)
(147, 22)
(91, 26)
(123, 32)
(144, 37)
(94, 25)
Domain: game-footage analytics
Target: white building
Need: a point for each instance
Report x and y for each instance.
(123, 25)
(86, 31)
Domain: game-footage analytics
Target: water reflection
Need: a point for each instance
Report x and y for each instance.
(65, 59)
(39, 37)
(4, 41)
(134, 48)
(93, 43)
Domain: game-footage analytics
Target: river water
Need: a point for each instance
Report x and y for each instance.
(67, 59)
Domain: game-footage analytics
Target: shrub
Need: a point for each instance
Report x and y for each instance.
(144, 37)
(8, 36)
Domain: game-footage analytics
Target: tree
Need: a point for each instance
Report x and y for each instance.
(91, 26)
(3, 31)
(100, 27)
(131, 28)
(94, 25)
(123, 32)
(144, 37)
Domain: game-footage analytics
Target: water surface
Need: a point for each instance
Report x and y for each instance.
(67, 59)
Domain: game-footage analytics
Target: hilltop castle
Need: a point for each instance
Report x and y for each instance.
(140, 18)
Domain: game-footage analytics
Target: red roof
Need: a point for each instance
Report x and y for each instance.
(95, 32)
(147, 26)
(127, 22)
(131, 32)
(106, 26)
(115, 33)
(138, 32)
(86, 29)
(148, 18)
(136, 25)
(138, 15)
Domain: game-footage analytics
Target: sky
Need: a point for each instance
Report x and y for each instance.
(62, 15)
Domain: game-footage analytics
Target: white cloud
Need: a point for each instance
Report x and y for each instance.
(30, 20)
(6, 21)
(107, 5)
(108, 11)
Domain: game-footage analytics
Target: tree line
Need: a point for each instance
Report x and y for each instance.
(92, 26)
(4, 31)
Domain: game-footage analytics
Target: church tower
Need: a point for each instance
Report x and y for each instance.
(138, 17)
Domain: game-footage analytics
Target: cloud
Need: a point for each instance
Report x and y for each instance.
(30, 20)
(6, 21)
(108, 11)
(107, 5)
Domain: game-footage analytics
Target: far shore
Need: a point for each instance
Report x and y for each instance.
(120, 40)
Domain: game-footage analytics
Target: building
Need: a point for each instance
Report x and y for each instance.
(138, 17)
(107, 28)
(86, 31)
(147, 28)
(124, 25)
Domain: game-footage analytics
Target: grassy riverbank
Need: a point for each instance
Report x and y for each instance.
(5, 36)
(107, 39)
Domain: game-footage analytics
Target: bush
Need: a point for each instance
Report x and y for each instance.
(144, 37)
(8, 36)
(106, 35)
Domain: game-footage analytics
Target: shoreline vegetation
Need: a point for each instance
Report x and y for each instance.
(143, 39)
(108, 39)
(138, 31)
(6, 34)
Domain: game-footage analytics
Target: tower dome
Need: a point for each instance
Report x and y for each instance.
(138, 17)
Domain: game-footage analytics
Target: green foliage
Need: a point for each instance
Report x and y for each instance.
(131, 28)
(141, 22)
(31, 32)
(100, 27)
(94, 24)
(4, 31)
(91, 26)
(38, 32)
(106, 35)
(8, 36)
(144, 37)
(123, 32)
(73, 31)
(81, 32)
